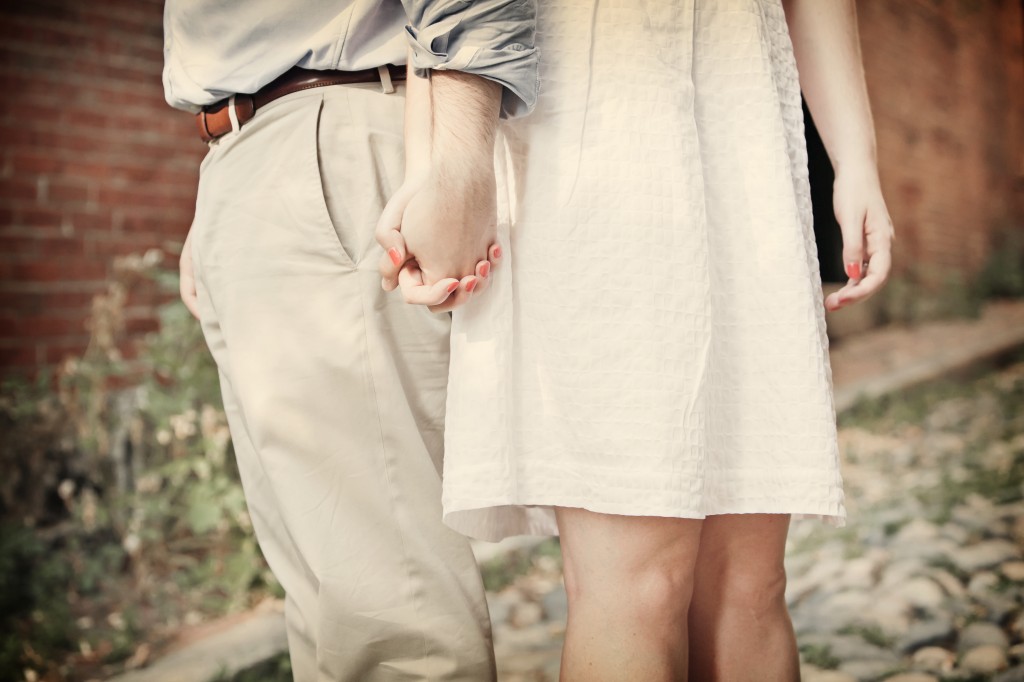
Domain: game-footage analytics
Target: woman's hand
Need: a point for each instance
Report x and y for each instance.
(867, 233)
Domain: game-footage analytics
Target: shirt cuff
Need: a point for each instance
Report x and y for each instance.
(445, 46)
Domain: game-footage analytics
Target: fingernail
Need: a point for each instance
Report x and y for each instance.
(853, 270)
(452, 287)
(497, 252)
(485, 269)
(395, 257)
(471, 285)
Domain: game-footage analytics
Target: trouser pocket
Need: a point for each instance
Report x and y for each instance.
(359, 158)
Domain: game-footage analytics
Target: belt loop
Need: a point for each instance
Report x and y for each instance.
(233, 115)
(385, 79)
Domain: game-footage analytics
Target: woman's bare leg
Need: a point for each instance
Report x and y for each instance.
(739, 625)
(629, 580)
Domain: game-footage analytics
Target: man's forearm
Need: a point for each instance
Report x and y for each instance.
(465, 110)
(827, 49)
(418, 125)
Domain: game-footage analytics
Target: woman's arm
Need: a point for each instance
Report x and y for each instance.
(827, 49)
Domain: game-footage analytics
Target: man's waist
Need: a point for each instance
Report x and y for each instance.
(231, 113)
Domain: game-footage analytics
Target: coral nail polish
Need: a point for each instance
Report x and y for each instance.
(471, 285)
(485, 269)
(853, 270)
(497, 252)
(452, 287)
(395, 257)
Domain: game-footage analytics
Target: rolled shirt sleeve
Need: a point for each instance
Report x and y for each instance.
(494, 39)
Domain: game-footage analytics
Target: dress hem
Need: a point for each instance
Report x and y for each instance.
(493, 521)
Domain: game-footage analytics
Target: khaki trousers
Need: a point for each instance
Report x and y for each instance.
(335, 393)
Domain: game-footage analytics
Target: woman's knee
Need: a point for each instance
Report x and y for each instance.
(654, 592)
(755, 589)
(741, 561)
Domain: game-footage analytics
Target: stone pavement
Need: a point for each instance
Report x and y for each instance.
(927, 581)
(529, 615)
(895, 358)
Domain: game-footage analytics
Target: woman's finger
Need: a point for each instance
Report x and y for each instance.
(416, 292)
(854, 292)
(483, 276)
(394, 257)
(388, 234)
(468, 286)
(851, 224)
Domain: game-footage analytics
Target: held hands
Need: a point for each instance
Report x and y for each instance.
(439, 231)
(867, 233)
(439, 234)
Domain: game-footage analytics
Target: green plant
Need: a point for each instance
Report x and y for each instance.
(1003, 273)
(31, 608)
(277, 669)
(872, 634)
(500, 572)
(819, 655)
(125, 481)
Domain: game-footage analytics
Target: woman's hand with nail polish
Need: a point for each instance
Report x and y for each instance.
(867, 233)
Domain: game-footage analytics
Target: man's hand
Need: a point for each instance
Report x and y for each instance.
(186, 279)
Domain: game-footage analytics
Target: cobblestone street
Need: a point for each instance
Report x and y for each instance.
(926, 583)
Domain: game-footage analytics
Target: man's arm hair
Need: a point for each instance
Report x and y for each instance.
(465, 110)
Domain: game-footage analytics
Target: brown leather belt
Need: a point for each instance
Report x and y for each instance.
(215, 119)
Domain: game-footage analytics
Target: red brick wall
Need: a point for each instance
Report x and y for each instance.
(946, 79)
(94, 164)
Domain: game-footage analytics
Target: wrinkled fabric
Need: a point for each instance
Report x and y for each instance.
(491, 39)
(654, 343)
(334, 393)
(216, 48)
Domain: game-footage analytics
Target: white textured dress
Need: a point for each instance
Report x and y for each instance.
(654, 341)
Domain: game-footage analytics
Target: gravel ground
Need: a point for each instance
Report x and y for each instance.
(926, 582)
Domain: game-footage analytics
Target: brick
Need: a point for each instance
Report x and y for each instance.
(21, 356)
(20, 189)
(56, 352)
(47, 326)
(52, 271)
(37, 216)
(35, 162)
(61, 246)
(142, 325)
(17, 247)
(66, 193)
(54, 302)
(85, 221)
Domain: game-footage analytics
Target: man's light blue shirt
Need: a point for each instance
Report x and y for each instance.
(216, 48)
